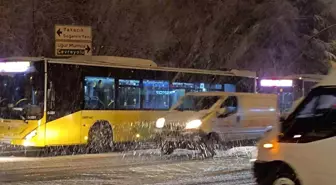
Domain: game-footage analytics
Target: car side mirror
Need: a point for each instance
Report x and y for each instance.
(281, 135)
(282, 119)
(221, 111)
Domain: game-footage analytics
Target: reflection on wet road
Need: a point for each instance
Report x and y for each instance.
(137, 167)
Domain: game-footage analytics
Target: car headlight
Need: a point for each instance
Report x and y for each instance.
(31, 135)
(160, 123)
(193, 124)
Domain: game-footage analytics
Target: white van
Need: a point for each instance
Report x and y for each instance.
(211, 117)
(301, 151)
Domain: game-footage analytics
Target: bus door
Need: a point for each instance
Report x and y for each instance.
(63, 122)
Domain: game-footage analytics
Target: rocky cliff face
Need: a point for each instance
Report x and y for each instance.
(272, 37)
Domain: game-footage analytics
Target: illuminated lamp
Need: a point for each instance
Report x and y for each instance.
(276, 83)
(12, 67)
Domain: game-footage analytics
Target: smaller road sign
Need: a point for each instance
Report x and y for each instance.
(76, 33)
(66, 48)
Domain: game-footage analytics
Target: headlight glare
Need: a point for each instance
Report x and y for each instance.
(160, 123)
(193, 124)
(31, 135)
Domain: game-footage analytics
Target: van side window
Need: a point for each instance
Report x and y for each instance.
(315, 119)
(231, 105)
(318, 106)
(308, 109)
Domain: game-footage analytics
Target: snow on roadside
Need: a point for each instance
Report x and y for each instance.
(247, 151)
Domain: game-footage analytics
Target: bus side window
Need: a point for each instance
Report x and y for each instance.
(129, 93)
(156, 94)
(99, 93)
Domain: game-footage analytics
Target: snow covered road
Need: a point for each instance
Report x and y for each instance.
(138, 167)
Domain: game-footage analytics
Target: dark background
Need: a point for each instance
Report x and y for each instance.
(273, 37)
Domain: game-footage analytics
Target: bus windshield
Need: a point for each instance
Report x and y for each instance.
(197, 103)
(21, 95)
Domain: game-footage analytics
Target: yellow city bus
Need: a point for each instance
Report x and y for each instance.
(97, 100)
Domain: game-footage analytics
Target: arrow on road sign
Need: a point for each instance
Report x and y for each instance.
(59, 32)
(87, 49)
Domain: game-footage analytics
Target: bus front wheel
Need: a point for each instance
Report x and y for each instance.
(100, 138)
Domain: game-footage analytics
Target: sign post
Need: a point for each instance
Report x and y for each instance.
(73, 40)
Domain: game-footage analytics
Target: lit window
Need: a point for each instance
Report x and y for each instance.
(156, 94)
(179, 89)
(229, 88)
(216, 87)
(276, 83)
(129, 94)
(99, 93)
(202, 87)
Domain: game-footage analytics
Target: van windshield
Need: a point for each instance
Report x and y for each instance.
(197, 103)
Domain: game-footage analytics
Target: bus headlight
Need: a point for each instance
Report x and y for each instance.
(193, 124)
(160, 123)
(31, 135)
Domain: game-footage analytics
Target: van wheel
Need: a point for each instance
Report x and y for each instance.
(206, 150)
(209, 144)
(286, 179)
(167, 148)
(100, 138)
(282, 179)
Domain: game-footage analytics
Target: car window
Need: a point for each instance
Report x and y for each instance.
(326, 102)
(308, 109)
(231, 106)
(197, 103)
(231, 103)
(315, 118)
(317, 105)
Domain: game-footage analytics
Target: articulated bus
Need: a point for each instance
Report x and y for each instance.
(80, 100)
(289, 88)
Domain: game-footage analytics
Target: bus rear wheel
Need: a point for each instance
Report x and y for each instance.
(100, 138)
